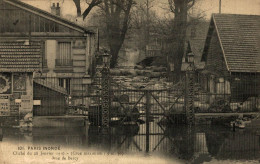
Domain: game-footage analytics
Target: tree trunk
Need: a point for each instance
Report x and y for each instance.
(179, 34)
(117, 18)
(114, 50)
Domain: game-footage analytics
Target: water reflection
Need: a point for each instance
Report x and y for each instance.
(197, 144)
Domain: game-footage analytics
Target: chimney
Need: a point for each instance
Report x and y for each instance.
(58, 9)
(55, 10)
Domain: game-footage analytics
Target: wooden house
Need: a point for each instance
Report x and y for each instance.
(65, 50)
(232, 58)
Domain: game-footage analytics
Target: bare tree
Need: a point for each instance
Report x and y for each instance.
(180, 10)
(148, 5)
(142, 21)
(117, 14)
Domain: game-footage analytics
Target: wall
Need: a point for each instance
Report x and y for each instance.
(241, 86)
(215, 60)
(244, 86)
(218, 77)
(50, 53)
(52, 102)
(82, 54)
(17, 101)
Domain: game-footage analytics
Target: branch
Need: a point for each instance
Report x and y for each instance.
(123, 4)
(126, 18)
(172, 5)
(190, 5)
(92, 4)
(77, 4)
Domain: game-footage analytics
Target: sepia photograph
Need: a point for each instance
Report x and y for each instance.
(129, 81)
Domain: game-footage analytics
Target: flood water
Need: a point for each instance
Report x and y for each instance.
(130, 144)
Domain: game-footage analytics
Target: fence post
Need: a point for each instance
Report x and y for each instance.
(105, 90)
(189, 95)
(189, 91)
(147, 114)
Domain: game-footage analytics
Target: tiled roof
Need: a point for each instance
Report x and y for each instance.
(239, 36)
(18, 57)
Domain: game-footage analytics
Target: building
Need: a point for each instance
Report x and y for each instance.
(18, 61)
(232, 60)
(64, 49)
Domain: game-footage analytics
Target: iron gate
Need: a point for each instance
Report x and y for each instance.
(143, 112)
(140, 111)
(128, 106)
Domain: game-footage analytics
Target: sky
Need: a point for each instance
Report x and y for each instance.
(208, 7)
(248, 7)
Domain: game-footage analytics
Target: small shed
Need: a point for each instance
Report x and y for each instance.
(232, 58)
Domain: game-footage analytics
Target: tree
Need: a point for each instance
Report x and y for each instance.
(117, 13)
(148, 6)
(142, 21)
(117, 16)
(180, 10)
(91, 5)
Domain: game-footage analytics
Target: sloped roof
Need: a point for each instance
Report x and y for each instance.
(48, 15)
(16, 56)
(239, 37)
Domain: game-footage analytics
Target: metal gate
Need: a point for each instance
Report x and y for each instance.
(128, 106)
(143, 112)
(115, 104)
(146, 113)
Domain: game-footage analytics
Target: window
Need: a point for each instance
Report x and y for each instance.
(65, 83)
(64, 54)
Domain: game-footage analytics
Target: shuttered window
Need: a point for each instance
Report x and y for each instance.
(64, 54)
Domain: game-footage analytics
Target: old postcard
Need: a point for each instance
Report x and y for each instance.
(129, 81)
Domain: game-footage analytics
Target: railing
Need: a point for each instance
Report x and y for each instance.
(51, 85)
(63, 62)
(187, 144)
(229, 94)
